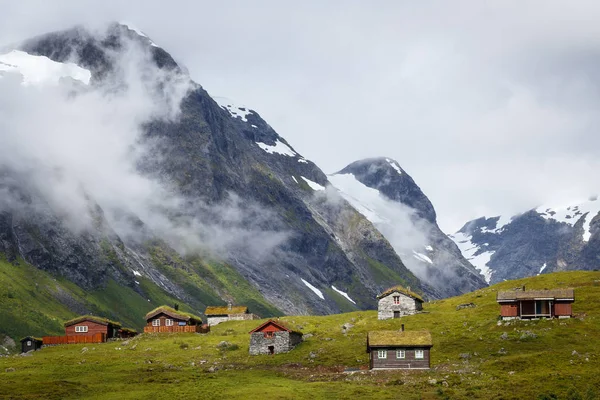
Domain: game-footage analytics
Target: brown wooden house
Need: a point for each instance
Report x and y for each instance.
(273, 337)
(167, 319)
(89, 325)
(527, 304)
(217, 314)
(399, 349)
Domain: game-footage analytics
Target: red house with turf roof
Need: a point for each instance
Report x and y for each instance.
(89, 325)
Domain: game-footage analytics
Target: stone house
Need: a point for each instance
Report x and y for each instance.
(272, 338)
(399, 349)
(217, 314)
(398, 301)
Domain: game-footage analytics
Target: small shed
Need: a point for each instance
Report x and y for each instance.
(126, 333)
(217, 314)
(527, 304)
(30, 343)
(167, 319)
(399, 349)
(89, 325)
(273, 337)
(397, 302)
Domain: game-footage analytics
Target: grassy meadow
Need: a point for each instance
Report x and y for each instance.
(474, 356)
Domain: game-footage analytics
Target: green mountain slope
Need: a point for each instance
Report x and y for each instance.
(474, 356)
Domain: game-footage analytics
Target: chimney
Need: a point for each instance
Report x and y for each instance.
(523, 288)
(402, 328)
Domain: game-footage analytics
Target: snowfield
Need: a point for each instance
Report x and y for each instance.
(40, 70)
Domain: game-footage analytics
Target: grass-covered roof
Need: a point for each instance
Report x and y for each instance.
(556, 294)
(402, 290)
(93, 318)
(225, 310)
(170, 311)
(399, 338)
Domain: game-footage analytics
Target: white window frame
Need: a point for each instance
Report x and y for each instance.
(396, 302)
(168, 322)
(400, 354)
(156, 322)
(382, 354)
(81, 329)
(419, 354)
(29, 343)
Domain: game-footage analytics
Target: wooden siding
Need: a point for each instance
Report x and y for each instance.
(177, 329)
(162, 318)
(93, 328)
(509, 310)
(53, 340)
(563, 309)
(391, 362)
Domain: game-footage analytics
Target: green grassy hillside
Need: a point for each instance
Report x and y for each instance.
(474, 356)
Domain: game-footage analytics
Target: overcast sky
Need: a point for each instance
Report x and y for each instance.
(492, 107)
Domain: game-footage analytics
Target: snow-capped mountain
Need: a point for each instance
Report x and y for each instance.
(117, 169)
(541, 240)
(384, 193)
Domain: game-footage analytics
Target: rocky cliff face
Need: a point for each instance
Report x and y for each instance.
(541, 240)
(236, 213)
(382, 191)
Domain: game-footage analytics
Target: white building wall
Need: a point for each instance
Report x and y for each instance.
(407, 306)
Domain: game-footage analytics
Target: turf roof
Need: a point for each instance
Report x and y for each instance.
(402, 290)
(172, 312)
(399, 338)
(224, 310)
(93, 318)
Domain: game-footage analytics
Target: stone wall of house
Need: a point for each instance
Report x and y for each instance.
(407, 306)
(211, 321)
(282, 342)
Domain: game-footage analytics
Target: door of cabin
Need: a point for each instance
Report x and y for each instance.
(271, 349)
(396, 314)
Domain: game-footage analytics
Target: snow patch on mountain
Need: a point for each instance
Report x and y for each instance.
(474, 254)
(313, 185)
(573, 213)
(138, 31)
(394, 165)
(278, 148)
(422, 257)
(236, 111)
(314, 289)
(543, 268)
(40, 70)
(343, 294)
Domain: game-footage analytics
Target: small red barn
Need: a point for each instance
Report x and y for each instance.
(273, 337)
(523, 304)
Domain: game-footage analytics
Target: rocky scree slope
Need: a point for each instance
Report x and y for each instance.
(301, 249)
(381, 190)
(541, 240)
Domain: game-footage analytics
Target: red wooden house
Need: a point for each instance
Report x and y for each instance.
(523, 304)
(89, 325)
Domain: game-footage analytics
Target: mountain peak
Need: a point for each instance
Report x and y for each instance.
(386, 175)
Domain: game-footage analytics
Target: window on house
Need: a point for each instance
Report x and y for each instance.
(81, 329)
(396, 299)
(168, 322)
(419, 354)
(381, 353)
(269, 335)
(400, 354)
(156, 322)
(29, 343)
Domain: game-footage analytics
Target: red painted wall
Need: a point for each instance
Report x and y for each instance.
(93, 328)
(509, 310)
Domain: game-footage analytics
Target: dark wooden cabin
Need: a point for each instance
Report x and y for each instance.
(90, 325)
(167, 319)
(30, 343)
(527, 304)
(126, 333)
(273, 337)
(399, 349)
